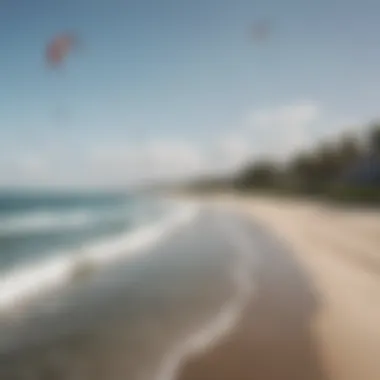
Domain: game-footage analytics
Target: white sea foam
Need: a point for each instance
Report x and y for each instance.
(21, 284)
(42, 221)
(228, 316)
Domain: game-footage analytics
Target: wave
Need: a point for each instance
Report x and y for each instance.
(23, 284)
(227, 317)
(45, 221)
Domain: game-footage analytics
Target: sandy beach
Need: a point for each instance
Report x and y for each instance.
(282, 289)
(316, 310)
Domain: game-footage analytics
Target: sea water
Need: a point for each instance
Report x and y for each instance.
(158, 295)
(42, 236)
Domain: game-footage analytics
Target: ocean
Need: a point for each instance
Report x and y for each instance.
(43, 235)
(105, 286)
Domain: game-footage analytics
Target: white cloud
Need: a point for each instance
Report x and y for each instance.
(23, 167)
(300, 113)
(231, 151)
(281, 130)
(150, 160)
(123, 163)
(29, 164)
(274, 131)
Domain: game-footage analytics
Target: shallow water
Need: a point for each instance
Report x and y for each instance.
(122, 321)
(34, 226)
(43, 238)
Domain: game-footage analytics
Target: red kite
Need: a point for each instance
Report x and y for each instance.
(58, 49)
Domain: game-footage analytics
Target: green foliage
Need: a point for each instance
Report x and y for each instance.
(260, 175)
(352, 194)
(374, 138)
(349, 150)
(318, 171)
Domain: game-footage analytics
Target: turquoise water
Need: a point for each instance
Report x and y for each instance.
(37, 226)
(133, 319)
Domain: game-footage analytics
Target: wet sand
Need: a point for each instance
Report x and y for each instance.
(313, 313)
(316, 311)
(274, 339)
(120, 323)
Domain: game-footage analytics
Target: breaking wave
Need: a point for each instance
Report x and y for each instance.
(22, 283)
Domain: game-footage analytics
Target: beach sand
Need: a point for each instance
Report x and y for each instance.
(309, 286)
(316, 309)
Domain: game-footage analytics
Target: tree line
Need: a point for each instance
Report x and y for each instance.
(347, 168)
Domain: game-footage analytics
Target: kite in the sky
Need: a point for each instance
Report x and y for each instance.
(56, 52)
(59, 47)
(260, 31)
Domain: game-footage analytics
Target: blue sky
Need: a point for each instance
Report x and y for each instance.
(167, 87)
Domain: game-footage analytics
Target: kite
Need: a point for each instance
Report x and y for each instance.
(260, 31)
(59, 47)
(57, 51)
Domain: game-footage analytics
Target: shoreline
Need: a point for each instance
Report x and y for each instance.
(274, 338)
(306, 307)
(222, 324)
(31, 282)
(338, 336)
(124, 321)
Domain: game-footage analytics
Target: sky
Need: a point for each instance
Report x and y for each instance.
(172, 88)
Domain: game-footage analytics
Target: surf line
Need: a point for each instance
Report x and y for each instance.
(229, 315)
(23, 285)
